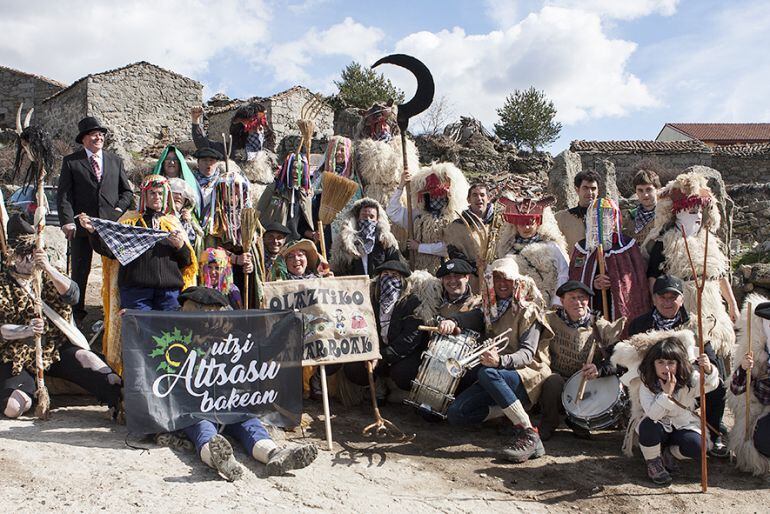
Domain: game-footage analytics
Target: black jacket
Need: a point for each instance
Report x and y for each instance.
(80, 192)
(403, 337)
(379, 255)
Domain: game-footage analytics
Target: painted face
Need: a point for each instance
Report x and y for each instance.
(455, 284)
(647, 195)
(274, 241)
(296, 262)
(206, 166)
(690, 220)
(503, 286)
(587, 193)
(478, 199)
(668, 303)
(94, 141)
(575, 304)
(367, 213)
(663, 367)
(171, 166)
(155, 198)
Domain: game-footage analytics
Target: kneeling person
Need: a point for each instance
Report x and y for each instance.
(510, 379)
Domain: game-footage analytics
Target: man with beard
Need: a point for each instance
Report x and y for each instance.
(669, 313)
(464, 236)
(575, 329)
(510, 379)
(61, 357)
(572, 222)
(364, 241)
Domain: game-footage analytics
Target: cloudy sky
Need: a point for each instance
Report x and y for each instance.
(615, 69)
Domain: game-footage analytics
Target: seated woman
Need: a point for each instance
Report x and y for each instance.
(217, 273)
(212, 446)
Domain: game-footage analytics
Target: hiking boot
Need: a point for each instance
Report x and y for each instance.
(670, 462)
(223, 460)
(719, 448)
(287, 458)
(657, 472)
(525, 445)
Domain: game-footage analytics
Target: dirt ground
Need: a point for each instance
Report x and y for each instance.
(80, 461)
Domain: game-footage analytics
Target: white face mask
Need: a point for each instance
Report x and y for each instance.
(691, 223)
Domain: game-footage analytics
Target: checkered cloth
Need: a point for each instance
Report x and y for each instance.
(127, 242)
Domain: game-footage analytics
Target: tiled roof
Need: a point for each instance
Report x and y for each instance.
(638, 146)
(724, 131)
(746, 150)
(32, 75)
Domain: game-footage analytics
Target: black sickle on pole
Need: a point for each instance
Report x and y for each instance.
(423, 97)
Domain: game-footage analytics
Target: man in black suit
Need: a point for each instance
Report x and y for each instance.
(94, 182)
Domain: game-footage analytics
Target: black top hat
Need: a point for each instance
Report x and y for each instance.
(668, 284)
(274, 226)
(459, 266)
(208, 152)
(573, 285)
(394, 265)
(86, 125)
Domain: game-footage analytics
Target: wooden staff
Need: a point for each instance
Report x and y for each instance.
(748, 374)
(43, 398)
(603, 270)
(699, 286)
(583, 379)
(424, 328)
(321, 238)
(408, 188)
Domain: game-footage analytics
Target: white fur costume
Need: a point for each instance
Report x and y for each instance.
(345, 248)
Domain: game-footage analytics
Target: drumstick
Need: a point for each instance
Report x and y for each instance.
(583, 380)
(424, 328)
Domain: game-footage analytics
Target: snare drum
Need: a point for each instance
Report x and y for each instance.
(604, 401)
(433, 388)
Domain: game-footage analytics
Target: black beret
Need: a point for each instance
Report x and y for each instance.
(208, 152)
(459, 266)
(763, 310)
(274, 226)
(394, 265)
(204, 296)
(573, 285)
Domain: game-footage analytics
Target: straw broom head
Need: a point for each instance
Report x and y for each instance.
(337, 192)
(249, 223)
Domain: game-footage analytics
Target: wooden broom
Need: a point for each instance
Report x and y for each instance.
(249, 223)
(337, 192)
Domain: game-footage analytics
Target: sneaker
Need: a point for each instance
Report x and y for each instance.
(719, 448)
(223, 460)
(657, 472)
(670, 462)
(287, 458)
(525, 445)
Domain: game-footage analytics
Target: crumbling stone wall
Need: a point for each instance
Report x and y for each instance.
(743, 164)
(752, 212)
(17, 87)
(60, 114)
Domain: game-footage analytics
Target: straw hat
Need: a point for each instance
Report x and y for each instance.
(313, 259)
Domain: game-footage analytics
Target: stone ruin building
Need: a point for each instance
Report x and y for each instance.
(17, 87)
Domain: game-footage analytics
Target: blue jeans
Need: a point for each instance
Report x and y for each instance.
(651, 433)
(501, 387)
(149, 299)
(247, 433)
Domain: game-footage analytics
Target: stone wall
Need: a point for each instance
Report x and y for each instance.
(743, 164)
(283, 111)
(17, 87)
(60, 113)
(752, 212)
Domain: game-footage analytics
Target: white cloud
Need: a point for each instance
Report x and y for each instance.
(620, 9)
(348, 38)
(562, 51)
(55, 39)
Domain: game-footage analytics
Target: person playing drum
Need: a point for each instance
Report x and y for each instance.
(510, 379)
(576, 329)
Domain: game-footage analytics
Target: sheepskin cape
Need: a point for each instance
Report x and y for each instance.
(429, 290)
(427, 227)
(630, 354)
(345, 247)
(535, 259)
(746, 456)
(573, 228)
(380, 165)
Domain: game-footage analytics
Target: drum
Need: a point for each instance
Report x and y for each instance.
(433, 388)
(603, 403)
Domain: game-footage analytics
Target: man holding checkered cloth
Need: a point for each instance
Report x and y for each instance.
(151, 267)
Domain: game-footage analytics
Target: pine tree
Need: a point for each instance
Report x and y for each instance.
(361, 87)
(527, 118)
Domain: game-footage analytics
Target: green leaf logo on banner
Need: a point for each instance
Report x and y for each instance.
(172, 348)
